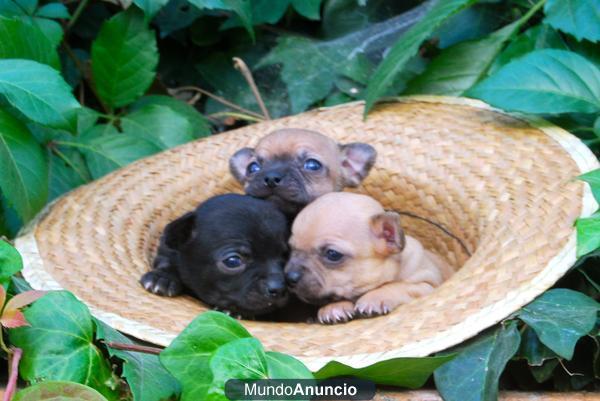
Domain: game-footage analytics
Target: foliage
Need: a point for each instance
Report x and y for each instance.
(89, 87)
(58, 391)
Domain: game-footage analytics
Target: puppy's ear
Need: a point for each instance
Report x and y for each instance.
(388, 235)
(357, 160)
(238, 163)
(179, 231)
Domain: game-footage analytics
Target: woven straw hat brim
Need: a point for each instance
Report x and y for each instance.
(505, 184)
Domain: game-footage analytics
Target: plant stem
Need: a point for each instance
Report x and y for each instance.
(243, 68)
(238, 116)
(135, 348)
(14, 357)
(82, 5)
(215, 97)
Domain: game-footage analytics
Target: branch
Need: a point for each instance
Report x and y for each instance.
(219, 99)
(135, 348)
(243, 68)
(11, 386)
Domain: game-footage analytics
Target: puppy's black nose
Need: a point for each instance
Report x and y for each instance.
(293, 276)
(275, 288)
(273, 179)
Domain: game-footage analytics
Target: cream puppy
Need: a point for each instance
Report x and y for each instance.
(352, 257)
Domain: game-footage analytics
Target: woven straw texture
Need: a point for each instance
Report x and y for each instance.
(505, 186)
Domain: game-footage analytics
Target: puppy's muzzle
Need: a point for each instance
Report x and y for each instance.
(275, 287)
(273, 179)
(293, 277)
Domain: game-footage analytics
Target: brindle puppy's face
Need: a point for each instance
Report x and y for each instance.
(292, 167)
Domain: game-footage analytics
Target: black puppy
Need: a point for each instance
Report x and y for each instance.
(229, 253)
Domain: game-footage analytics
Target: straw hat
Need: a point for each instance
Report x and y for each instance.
(505, 185)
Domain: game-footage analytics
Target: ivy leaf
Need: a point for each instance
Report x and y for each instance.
(11, 314)
(557, 81)
(108, 152)
(39, 92)
(474, 374)
(579, 18)
(19, 39)
(67, 171)
(199, 123)
(188, 356)
(533, 350)
(10, 8)
(406, 48)
(593, 177)
(24, 178)
(53, 10)
(242, 8)
(158, 124)
(545, 371)
(270, 12)
(10, 262)
(124, 58)
(58, 391)
(147, 378)
(282, 366)
(588, 234)
(560, 317)
(59, 345)
(150, 7)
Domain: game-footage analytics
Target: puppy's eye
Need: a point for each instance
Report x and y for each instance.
(252, 168)
(312, 165)
(233, 262)
(333, 256)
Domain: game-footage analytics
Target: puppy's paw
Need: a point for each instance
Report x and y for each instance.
(374, 303)
(337, 312)
(162, 282)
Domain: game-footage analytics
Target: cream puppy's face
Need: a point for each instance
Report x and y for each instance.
(339, 243)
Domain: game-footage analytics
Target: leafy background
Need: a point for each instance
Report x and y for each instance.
(89, 86)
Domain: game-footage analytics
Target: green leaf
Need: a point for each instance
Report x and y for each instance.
(199, 123)
(533, 350)
(147, 378)
(58, 391)
(110, 151)
(160, 125)
(20, 39)
(270, 12)
(593, 177)
(24, 177)
(53, 10)
(544, 81)
(580, 18)
(52, 29)
(242, 8)
(124, 58)
(459, 67)
(150, 7)
(282, 366)
(544, 372)
(474, 374)
(67, 171)
(588, 234)
(402, 372)
(10, 262)
(407, 46)
(240, 359)
(188, 356)
(560, 317)
(538, 37)
(12, 8)
(59, 344)
(39, 92)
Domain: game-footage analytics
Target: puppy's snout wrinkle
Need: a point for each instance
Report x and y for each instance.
(273, 179)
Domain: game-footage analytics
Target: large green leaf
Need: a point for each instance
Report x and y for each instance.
(200, 125)
(402, 372)
(188, 356)
(39, 92)
(24, 177)
(533, 350)
(560, 317)
(407, 46)
(580, 18)
(160, 125)
(593, 177)
(124, 58)
(107, 152)
(20, 39)
(544, 81)
(53, 10)
(282, 366)
(58, 391)
(474, 374)
(10, 262)
(588, 234)
(67, 171)
(59, 344)
(10, 8)
(461, 66)
(147, 378)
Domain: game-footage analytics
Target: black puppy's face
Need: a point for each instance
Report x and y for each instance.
(293, 167)
(233, 254)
